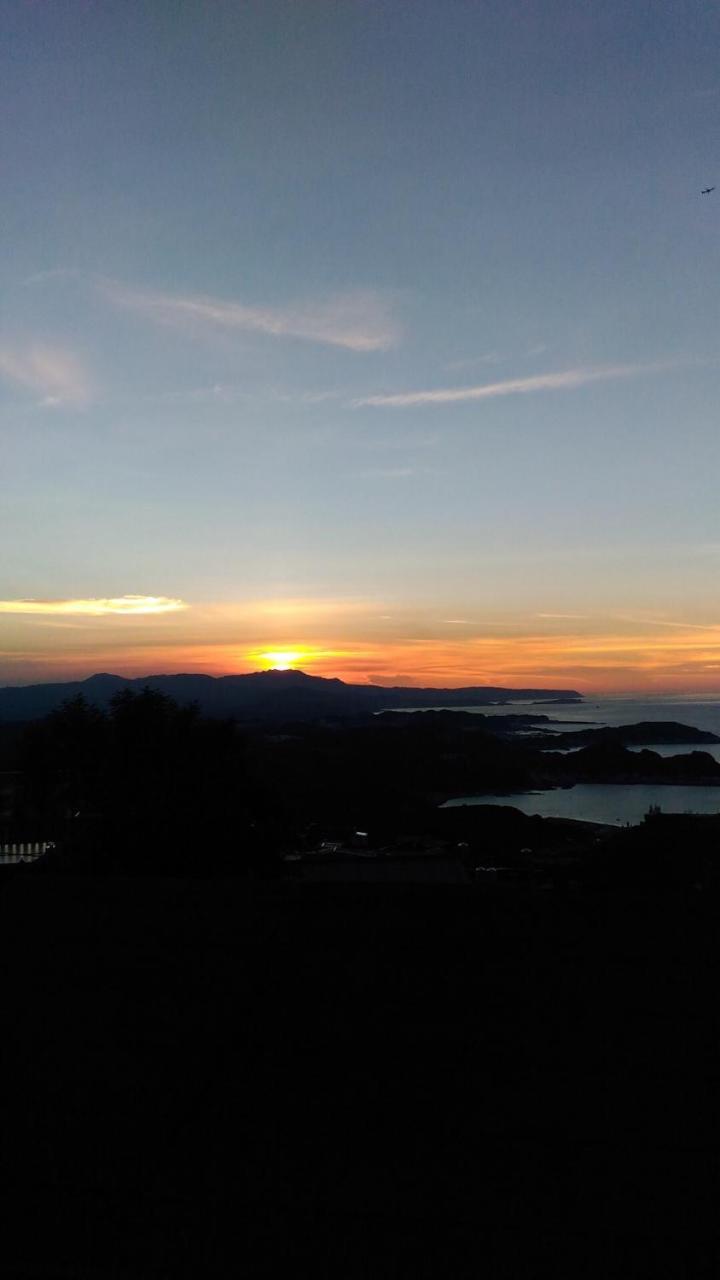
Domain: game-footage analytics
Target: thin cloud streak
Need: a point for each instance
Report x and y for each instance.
(51, 372)
(567, 380)
(115, 606)
(357, 321)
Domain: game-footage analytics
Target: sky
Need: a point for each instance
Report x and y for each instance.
(375, 338)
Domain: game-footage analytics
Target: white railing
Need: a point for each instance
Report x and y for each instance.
(28, 851)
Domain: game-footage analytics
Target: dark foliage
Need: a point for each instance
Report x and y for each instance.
(145, 785)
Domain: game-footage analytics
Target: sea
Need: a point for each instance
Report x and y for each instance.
(616, 805)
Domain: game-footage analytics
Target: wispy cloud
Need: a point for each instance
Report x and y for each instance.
(358, 321)
(115, 605)
(53, 373)
(567, 380)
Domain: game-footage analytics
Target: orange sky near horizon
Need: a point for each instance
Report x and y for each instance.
(359, 641)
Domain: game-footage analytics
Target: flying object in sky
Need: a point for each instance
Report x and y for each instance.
(706, 191)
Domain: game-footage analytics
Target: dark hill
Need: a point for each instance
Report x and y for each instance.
(258, 695)
(644, 734)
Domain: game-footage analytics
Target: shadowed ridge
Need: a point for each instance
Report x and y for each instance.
(258, 694)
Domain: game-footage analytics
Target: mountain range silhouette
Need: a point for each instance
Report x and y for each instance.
(261, 695)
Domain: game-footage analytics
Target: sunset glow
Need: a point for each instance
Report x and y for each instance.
(358, 641)
(282, 660)
(347, 400)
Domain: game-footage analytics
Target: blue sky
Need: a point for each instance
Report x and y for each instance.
(381, 333)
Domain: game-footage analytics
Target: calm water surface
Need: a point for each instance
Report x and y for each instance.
(615, 804)
(602, 802)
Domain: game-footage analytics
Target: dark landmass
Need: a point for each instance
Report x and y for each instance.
(606, 762)
(259, 695)
(516, 722)
(545, 732)
(645, 733)
(569, 700)
(349, 1080)
(246, 1032)
(106, 784)
(463, 742)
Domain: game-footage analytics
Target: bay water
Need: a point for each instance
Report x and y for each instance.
(615, 804)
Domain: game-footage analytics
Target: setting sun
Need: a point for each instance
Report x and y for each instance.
(282, 660)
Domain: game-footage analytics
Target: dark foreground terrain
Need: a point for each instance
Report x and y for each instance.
(241, 1037)
(234, 1077)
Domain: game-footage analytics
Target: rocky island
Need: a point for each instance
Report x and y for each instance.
(643, 734)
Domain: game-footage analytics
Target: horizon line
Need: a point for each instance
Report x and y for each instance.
(204, 675)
